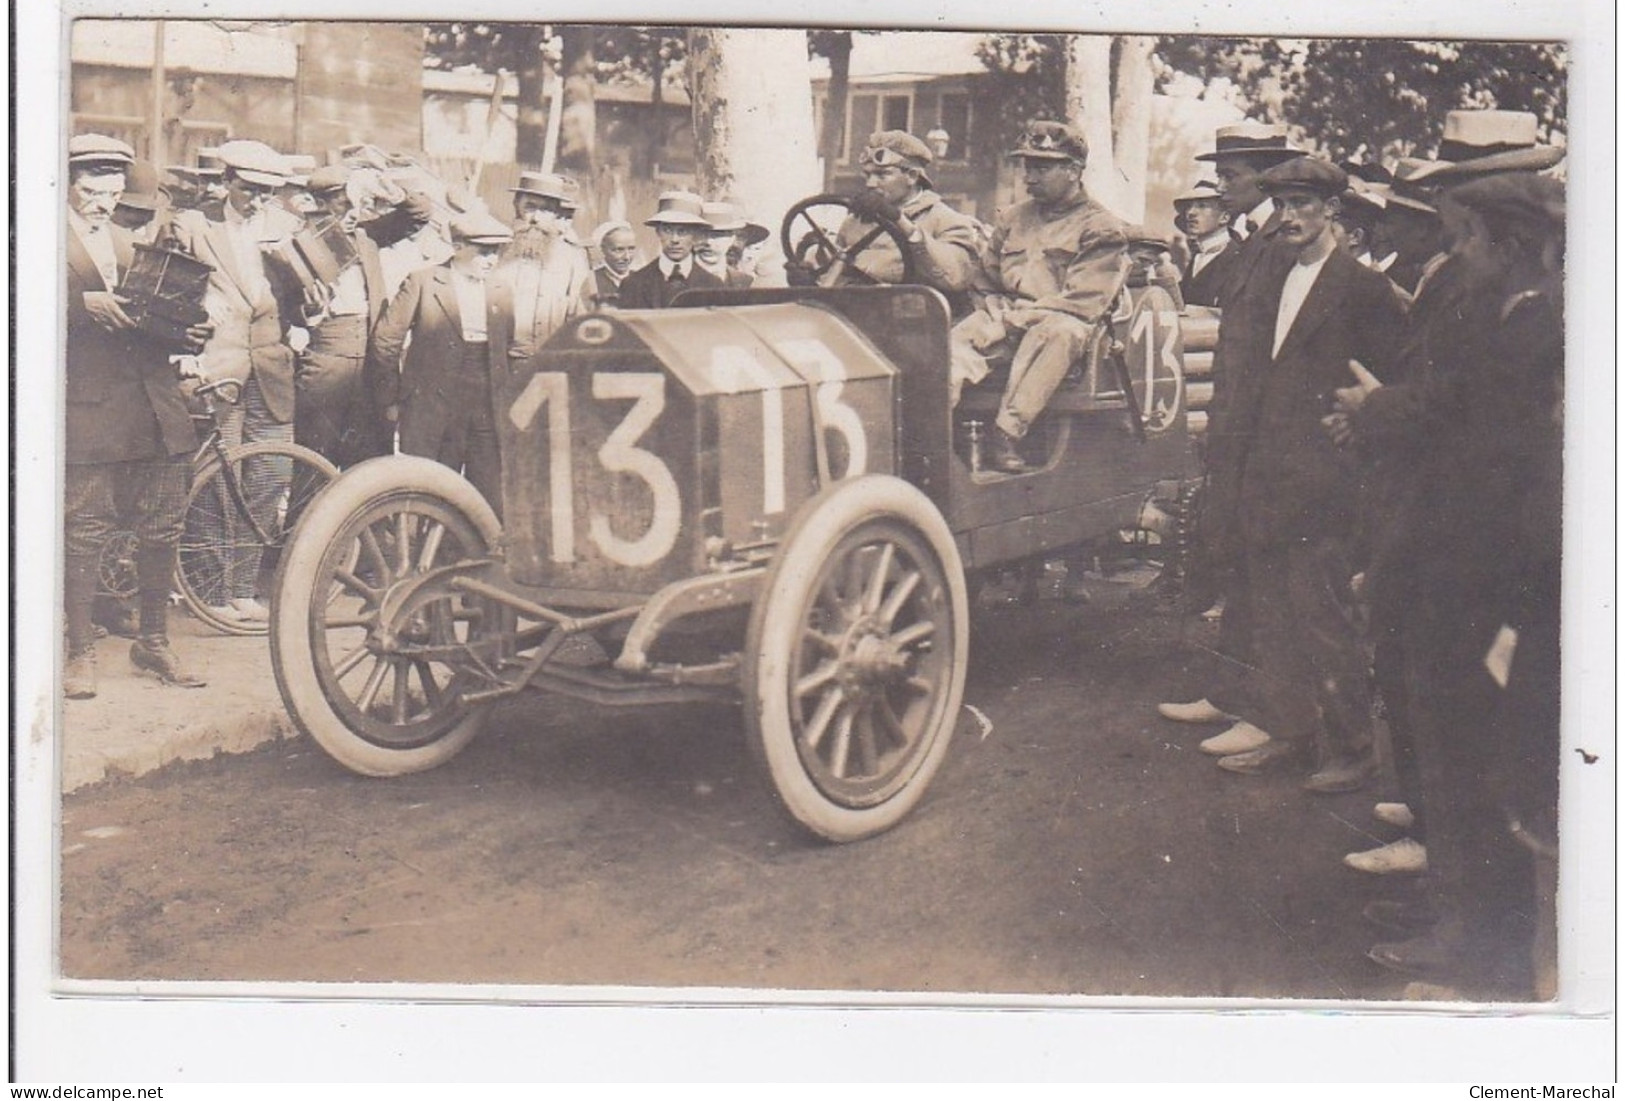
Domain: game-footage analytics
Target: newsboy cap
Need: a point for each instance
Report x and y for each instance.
(1304, 174)
(1202, 191)
(476, 227)
(1046, 139)
(329, 177)
(99, 149)
(1514, 197)
(255, 162)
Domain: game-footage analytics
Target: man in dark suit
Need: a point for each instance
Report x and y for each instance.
(128, 435)
(1241, 153)
(334, 415)
(617, 251)
(1293, 495)
(679, 221)
(247, 344)
(440, 393)
(1205, 220)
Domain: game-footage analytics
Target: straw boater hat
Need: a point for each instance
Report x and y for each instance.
(476, 227)
(679, 208)
(1365, 198)
(723, 217)
(1258, 142)
(99, 149)
(1481, 141)
(548, 185)
(256, 162)
(1202, 191)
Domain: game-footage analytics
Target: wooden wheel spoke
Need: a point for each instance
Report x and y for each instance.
(432, 692)
(923, 685)
(397, 711)
(403, 543)
(338, 621)
(369, 691)
(431, 545)
(374, 551)
(889, 723)
(841, 750)
(349, 661)
(877, 579)
(815, 680)
(913, 633)
(899, 596)
(818, 725)
(354, 584)
(825, 641)
(868, 752)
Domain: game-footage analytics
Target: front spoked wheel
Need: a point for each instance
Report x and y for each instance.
(372, 647)
(856, 656)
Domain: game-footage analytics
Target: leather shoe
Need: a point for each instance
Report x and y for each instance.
(79, 678)
(1340, 776)
(1255, 761)
(117, 618)
(1243, 737)
(1403, 857)
(1406, 918)
(152, 656)
(1397, 815)
(1006, 458)
(1197, 711)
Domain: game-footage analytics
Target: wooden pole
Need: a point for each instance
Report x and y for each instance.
(155, 147)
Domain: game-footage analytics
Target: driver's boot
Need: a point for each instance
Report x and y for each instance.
(1003, 453)
(150, 652)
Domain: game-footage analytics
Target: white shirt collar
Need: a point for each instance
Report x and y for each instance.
(686, 265)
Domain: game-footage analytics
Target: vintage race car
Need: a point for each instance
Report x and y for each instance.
(758, 496)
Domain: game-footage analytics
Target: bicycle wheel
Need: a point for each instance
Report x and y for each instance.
(239, 514)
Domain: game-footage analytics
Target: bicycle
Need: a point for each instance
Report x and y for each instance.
(224, 537)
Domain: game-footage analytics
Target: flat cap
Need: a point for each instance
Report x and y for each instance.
(99, 149)
(1145, 236)
(549, 185)
(477, 227)
(1046, 139)
(329, 177)
(255, 162)
(899, 147)
(1304, 174)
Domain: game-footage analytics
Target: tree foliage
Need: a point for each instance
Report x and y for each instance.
(620, 52)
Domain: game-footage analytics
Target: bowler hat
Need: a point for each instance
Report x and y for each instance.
(1304, 174)
(1046, 139)
(99, 149)
(678, 208)
(1259, 142)
(255, 162)
(476, 227)
(549, 185)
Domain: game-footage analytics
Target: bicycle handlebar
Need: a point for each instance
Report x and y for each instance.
(230, 390)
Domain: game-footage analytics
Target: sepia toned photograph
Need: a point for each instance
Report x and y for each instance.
(622, 514)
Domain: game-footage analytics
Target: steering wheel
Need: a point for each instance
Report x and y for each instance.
(807, 243)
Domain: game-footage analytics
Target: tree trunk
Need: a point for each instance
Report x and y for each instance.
(1089, 107)
(530, 136)
(839, 47)
(1131, 121)
(753, 129)
(578, 130)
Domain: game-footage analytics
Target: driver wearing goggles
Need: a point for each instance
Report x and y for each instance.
(943, 243)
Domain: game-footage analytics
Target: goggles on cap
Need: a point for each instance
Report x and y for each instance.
(882, 156)
(1044, 141)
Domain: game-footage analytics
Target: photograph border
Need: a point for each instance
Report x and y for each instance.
(77, 1031)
